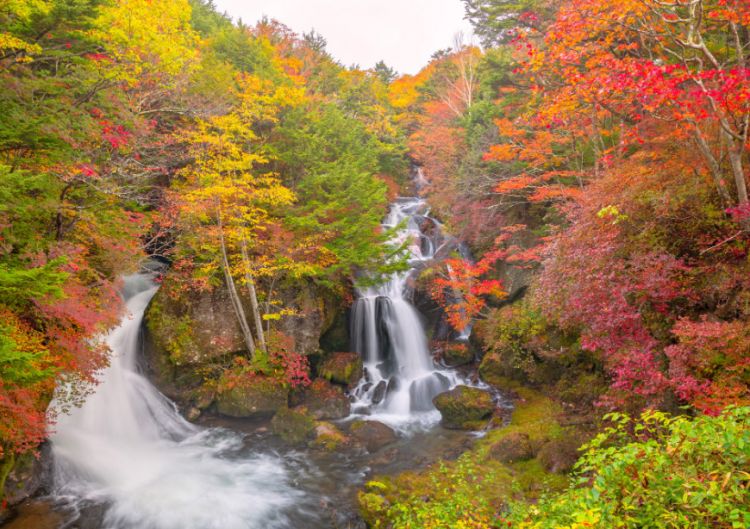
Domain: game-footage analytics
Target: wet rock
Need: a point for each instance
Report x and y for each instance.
(294, 426)
(193, 328)
(341, 368)
(464, 408)
(372, 434)
(27, 477)
(387, 457)
(329, 438)
(336, 338)
(393, 384)
(325, 401)
(512, 448)
(457, 354)
(204, 399)
(36, 514)
(192, 414)
(378, 394)
(559, 455)
(190, 331)
(257, 397)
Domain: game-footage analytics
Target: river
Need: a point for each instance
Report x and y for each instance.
(127, 459)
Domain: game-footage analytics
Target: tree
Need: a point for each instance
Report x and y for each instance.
(496, 21)
(385, 72)
(228, 197)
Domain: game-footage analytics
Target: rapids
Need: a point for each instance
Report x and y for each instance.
(129, 448)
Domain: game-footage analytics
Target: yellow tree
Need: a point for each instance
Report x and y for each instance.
(230, 196)
(147, 42)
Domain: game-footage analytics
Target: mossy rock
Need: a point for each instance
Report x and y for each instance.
(325, 401)
(492, 369)
(457, 354)
(341, 368)
(329, 438)
(294, 426)
(512, 448)
(464, 407)
(193, 327)
(560, 455)
(373, 435)
(255, 398)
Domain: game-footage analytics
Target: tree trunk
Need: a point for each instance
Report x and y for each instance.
(735, 159)
(236, 302)
(713, 165)
(253, 297)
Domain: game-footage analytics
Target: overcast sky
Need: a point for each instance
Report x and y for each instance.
(403, 33)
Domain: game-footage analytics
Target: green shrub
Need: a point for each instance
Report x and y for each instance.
(658, 472)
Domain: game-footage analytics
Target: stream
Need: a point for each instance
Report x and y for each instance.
(127, 459)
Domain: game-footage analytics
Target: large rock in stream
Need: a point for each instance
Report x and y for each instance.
(190, 332)
(464, 408)
(295, 426)
(373, 435)
(324, 401)
(258, 397)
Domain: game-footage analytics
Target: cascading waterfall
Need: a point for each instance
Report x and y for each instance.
(127, 447)
(401, 378)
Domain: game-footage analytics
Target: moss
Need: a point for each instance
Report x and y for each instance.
(374, 509)
(476, 486)
(534, 416)
(532, 481)
(294, 426)
(328, 437)
(464, 408)
(341, 368)
(255, 397)
(6, 466)
(457, 354)
(171, 333)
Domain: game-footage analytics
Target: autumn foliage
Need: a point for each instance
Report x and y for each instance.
(617, 133)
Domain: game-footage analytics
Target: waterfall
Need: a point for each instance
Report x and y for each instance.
(128, 448)
(401, 378)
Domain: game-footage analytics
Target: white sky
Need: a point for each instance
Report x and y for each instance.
(403, 33)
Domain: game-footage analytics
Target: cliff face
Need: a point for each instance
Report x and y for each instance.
(190, 333)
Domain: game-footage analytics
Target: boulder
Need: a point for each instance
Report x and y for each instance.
(193, 327)
(329, 438)
(28, 476)
(324, 401)
(314, 311)
(464, 407)
(559, 455)
(512, 448)
(372, 434)
(457, 354)
(190, 332)
(341, 368)
(255, 397)
(378, 394)
(193, 414)
(294, 426)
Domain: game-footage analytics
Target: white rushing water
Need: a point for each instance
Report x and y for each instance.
(401, 378)
(128, 448)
